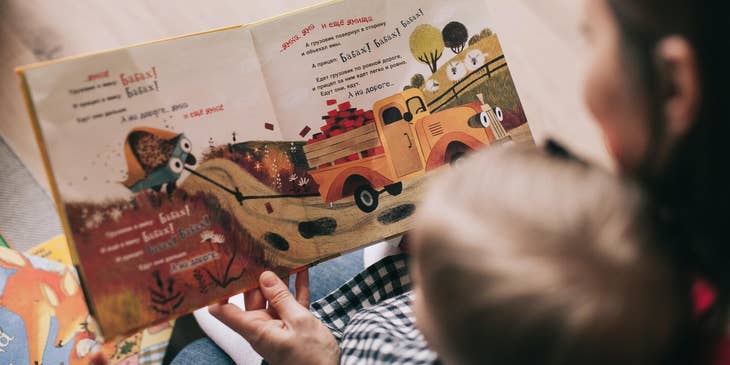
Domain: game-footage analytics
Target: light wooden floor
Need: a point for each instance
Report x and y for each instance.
(539, 38)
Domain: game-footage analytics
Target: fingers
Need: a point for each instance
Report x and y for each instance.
(279, 298)
(254, 300)
(405, 243)
(248, 324)
(301, 287)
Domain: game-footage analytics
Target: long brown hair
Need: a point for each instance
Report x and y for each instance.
(690, 191)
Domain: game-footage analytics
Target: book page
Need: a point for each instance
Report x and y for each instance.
(384, 92)
(141, 145)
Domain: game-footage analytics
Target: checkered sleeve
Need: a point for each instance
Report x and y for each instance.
(386, 333)
(383, 280)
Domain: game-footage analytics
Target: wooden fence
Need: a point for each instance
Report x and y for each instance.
(453, 92)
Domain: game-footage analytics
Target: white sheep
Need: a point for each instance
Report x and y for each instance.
(474, 59)
(432, 85)
(456, 71)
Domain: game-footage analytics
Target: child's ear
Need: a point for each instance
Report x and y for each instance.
(680, 83)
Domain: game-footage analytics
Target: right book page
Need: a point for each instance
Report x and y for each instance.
(376, 95)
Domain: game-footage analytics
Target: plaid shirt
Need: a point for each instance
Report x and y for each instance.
(372, 319)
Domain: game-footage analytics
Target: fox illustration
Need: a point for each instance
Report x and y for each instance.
(44, 308)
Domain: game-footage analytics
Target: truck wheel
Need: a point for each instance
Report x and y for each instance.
(366, 198)
(394, 189)
(456, 157)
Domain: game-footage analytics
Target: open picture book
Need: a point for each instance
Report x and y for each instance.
(184, 168)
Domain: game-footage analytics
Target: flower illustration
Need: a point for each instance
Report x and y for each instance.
(303, 181)
(211, 237)
(115, 213)
(97, 218)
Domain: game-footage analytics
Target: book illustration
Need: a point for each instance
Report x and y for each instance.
(271, 147)
(43, 313)
(3, 242)
(477, 68)
(155, 158)
(220, 203)
(366, 154)
(146, 347)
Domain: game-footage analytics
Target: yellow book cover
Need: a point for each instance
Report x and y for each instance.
(184, 168)
(55, 249)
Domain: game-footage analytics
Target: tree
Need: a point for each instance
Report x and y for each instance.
(417, 81)
(455, 36)
(427, 45)
(486, 33)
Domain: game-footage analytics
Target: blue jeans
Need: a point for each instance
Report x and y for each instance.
(324, 278)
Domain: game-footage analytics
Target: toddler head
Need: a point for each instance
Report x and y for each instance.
(525, 258)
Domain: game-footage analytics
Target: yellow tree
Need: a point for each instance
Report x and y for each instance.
(427, 45)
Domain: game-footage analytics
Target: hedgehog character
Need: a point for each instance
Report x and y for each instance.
(155, 158)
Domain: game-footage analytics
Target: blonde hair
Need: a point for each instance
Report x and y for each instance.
(524, 258)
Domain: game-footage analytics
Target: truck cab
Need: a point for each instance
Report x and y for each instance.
(417, 140)
(396, 119)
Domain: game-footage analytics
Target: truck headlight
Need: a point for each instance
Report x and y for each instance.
(481, 120)
(498, 112)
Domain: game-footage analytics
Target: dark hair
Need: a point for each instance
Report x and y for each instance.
(690, 190)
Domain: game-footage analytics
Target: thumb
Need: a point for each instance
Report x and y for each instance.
(279, 297)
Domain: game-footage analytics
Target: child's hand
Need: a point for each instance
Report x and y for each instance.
(286, 332)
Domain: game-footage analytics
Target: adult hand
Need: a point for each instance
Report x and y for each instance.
(286, 332)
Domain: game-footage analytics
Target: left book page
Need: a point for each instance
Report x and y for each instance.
(120, 132)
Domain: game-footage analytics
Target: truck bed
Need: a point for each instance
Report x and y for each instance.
(341, 146)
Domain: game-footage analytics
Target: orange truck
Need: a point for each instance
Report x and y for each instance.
(415, 142)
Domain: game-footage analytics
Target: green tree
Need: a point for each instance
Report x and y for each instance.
(417, 81)
(455, 36)
(427, 45)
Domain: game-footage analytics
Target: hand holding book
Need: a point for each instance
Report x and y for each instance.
(279, 325)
